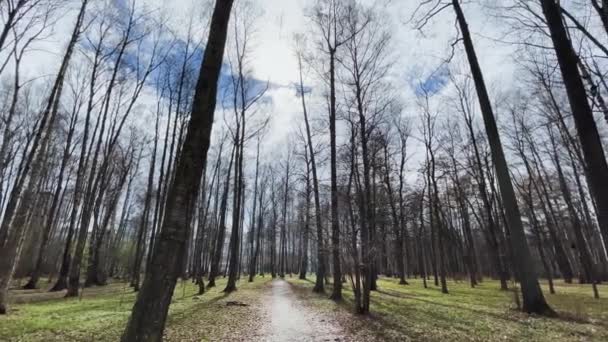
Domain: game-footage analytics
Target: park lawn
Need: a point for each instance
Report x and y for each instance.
(411, 312)
(399, 313)
(101, 316)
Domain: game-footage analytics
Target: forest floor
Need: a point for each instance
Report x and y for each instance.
(287, 310)
(413, 313)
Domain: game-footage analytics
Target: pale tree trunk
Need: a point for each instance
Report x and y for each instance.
(22, 194)
(62, 279)
(94, 178)
(7, 138)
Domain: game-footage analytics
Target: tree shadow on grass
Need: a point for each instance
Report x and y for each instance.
(562, 315)
(449, 306)
(395, 312)
(203, 305)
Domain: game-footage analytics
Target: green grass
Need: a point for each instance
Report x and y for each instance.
(399, 313)
(485, 313)
(102, 316)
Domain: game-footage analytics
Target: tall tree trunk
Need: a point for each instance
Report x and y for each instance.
(533, 299)
(306, 231)
(320, 270)
(470, 253)
(397, 224)
(252, 251)
(336, 293)
(536, 228)
(367, 216)
(273, 232)
(491, 230)
(551, 220)
(221, 231)
(149, 314)
(143, 226)
(284, 219)
(582, 247)
(52, 212)
(95, 177)
(233, 247)
(593, 152)
(436, 221)
(21, 198)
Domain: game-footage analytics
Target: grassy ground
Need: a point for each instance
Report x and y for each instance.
(399, 313)
(102, 313)
(402, 313)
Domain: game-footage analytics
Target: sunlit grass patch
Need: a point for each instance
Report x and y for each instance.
(402, 312)
(102, 317)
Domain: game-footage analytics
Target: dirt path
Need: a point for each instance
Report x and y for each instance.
(291, 320)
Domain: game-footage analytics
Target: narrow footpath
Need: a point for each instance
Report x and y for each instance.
(291, 320)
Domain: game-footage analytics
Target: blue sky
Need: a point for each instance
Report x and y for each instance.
(417, 54)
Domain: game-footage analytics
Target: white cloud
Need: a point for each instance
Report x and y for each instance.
(417, 53)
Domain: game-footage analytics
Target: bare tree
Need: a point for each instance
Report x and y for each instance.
(150, 311)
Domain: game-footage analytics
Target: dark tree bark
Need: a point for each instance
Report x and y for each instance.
(491, 230)
(320, 270)
(601, 7)
(536, 228)
(593, 152)
(404, 240)
(470, 253)
(336, 293)
(273, 230)
(221, 228)
(140, 243)
(203, 235)
(306, 228)
(582, 246)
(252, 250)
(149, 314)
(436, 223)
(533, 299)
(260, 224)
(561, 257)
(397, 223)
